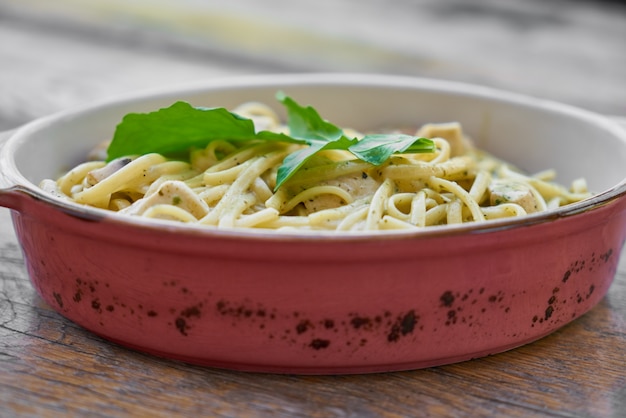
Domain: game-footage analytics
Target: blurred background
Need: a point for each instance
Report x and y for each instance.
(63, 53)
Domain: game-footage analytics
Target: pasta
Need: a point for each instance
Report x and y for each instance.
(232, 184)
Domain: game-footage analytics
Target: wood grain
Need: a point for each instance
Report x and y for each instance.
(57, 55)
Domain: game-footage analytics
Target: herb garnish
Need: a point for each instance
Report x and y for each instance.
(181, 126)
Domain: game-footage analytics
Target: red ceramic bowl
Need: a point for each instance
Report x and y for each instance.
(328, 303)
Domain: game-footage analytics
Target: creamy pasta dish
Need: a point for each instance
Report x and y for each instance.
(316, 184)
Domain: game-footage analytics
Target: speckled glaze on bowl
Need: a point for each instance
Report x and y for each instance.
(325, 304)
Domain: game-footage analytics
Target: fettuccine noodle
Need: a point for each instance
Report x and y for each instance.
(231, 185)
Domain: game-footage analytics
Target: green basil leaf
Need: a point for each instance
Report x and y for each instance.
(294, 161)
(180, 127)
(376, 149)
(305, 123)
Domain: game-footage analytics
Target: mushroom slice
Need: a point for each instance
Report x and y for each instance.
(172, 192)
(96, 176)
(513, 192)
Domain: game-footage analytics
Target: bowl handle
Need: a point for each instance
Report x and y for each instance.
(9, 195)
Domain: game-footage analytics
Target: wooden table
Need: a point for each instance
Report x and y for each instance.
(56, 55)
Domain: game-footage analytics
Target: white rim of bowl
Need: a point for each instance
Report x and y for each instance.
(22, 185)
